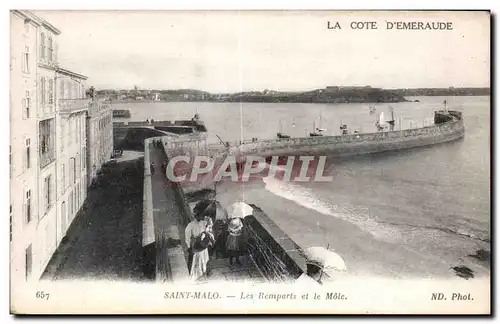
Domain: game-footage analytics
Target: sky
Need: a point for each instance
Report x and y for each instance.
(228, 51)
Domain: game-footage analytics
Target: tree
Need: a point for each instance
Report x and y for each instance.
(91, 92)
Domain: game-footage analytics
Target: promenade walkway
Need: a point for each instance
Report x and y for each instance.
(167, 219)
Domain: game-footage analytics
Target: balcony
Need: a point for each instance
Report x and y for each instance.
(70, 106)
(46, 158)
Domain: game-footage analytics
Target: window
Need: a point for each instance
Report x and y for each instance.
(63, 176)
(48, 192)
(29, 261)
(10, 221)
(26, 60)
(73, 167)
(51, 49)
(46, 141)
(27, 205)
(51, 91)
(27, 27)
(42, 91)
(27, 157)
(42, 45)
(27, 105)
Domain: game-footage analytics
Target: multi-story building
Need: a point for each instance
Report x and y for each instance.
(46, 240)
(99, 137)
(23, 158)
(48, 151)
(72, 147)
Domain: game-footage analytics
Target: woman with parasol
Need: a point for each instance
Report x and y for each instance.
(236, 241)
(199, 237)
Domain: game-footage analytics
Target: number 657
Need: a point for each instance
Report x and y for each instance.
(42, 295)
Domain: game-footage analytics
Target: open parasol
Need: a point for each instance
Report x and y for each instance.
(220, 211)
(326, 259)
(240, 210)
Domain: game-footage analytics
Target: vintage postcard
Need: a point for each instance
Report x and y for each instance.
(250, 162)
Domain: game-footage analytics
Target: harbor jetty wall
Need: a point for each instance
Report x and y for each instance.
(448, 126)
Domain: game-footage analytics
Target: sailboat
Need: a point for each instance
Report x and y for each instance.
(391, 122)
(380, 123)
(317, 131)
(280, 133)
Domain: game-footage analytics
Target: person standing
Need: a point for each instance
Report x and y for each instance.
(199, 237)
(235, 240)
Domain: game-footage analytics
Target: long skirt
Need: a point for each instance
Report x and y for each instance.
(199, 264)
(234, 245)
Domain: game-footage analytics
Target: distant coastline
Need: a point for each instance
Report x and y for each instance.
(333, 94)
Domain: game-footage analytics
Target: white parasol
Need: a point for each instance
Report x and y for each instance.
(327, 259)
(240, 210)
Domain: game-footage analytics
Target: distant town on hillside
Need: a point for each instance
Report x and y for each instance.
(330, 94)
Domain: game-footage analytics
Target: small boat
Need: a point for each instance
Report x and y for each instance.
(344, 129)
(317, 131)
(315, 134)
(121, 113)
(372, 110)
(280, 133)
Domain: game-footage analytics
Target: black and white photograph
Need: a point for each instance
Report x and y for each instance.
(246, 161)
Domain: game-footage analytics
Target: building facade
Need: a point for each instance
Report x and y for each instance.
(49, 148)
(99, 130)
(46, 240)
(72, 147)
(23, 155)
